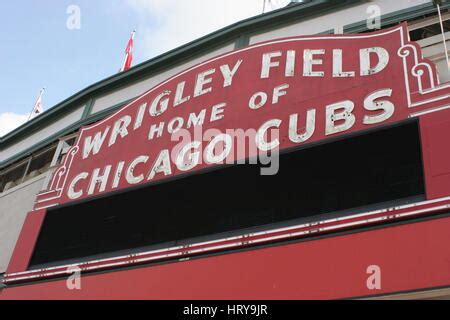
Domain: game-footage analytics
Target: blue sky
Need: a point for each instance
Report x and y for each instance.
(38, 50)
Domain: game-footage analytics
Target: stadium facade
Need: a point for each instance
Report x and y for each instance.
(99, 201)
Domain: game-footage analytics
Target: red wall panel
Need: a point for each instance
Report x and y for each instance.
(435, 133)
(410, 256)
(26, 242)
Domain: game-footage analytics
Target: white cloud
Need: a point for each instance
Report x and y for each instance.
(9, 121)
(276, 4)
(166, 24)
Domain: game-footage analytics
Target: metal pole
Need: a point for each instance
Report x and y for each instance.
(443, 37)
(26, 169)
(264, 6)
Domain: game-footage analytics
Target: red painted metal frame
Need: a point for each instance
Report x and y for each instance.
(26, 241)
(242, 241)
(435, 130)
(411, 256)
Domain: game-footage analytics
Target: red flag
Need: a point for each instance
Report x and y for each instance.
(128, 54)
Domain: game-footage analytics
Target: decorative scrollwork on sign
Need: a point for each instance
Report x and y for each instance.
(60, 174)
(406, 50)
(420, 73)
(424, 74)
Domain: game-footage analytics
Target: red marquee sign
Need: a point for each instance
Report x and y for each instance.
(279, 94)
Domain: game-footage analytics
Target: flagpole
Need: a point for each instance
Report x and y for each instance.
(124, 61)
(443, 34)
(34, 106)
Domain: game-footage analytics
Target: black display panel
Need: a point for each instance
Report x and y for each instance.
(335, 178)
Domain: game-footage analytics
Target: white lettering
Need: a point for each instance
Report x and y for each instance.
(387, 106)
(364, 58)
(267, 63)
(252, 104)
(279, 92)
(202, 80)
(309, 61)
(71, 192)
(179, 95)
(99, 179)
(162, 164)
(229, 74)
(120, 127)
(294, 136)
(161, 103)
(130, 176)
(94, 145)
(192, 159)
(260, 135)
(346, 116)
(337, 65)
(210, 157)
(217, 112)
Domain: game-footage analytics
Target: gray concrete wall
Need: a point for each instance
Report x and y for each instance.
(14, 206)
